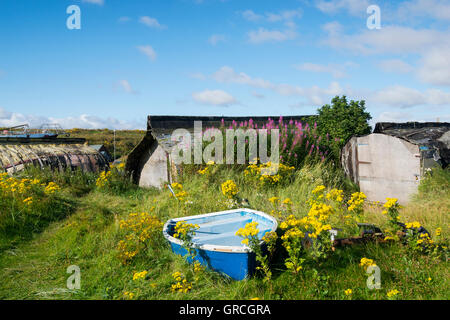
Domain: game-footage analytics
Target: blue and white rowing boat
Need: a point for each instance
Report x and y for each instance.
(216, 242)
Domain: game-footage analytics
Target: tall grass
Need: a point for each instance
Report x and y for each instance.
(28, 204)
(89, 238)
(76, 182)
(430, 205)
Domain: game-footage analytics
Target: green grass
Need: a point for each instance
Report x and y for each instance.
(126, 140)
(35, 267)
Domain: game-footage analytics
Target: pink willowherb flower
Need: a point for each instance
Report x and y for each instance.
(311, 150)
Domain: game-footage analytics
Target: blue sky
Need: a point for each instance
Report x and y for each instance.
(220, 57)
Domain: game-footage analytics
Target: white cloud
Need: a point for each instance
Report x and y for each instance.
(403, 97)
(151, 22)
(394, 96)
(228, 75)
(335, 70)
(148, 51)
(125, 85)
(4, 114)
(98, 2)
(354, 7)
(313, 95)
(263, 35)
(435, 68)
(437, 97)
(431, 46)
(281, 16)
(390, 39)
(9, 119)
(285, 15)
(399, 96)
(395, 65)
(214, 97)
(332, 28)
(257, 95)
(251, 16)
(94, 122)
(216, 38)
(437, 9)
(394, 116)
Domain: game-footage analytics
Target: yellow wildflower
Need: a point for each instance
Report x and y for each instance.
(28, 201)
(274, 200)
(128, 295)
(318, 189)
(139, 275)
(365, 263)
(390, 202)
(438, 232)
(410, 225)
(392, 293)
(229, 189)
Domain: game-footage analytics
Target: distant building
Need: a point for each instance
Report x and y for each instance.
(392, 160)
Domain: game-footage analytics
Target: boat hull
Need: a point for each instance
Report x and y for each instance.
(236, 261)
(236, 265)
